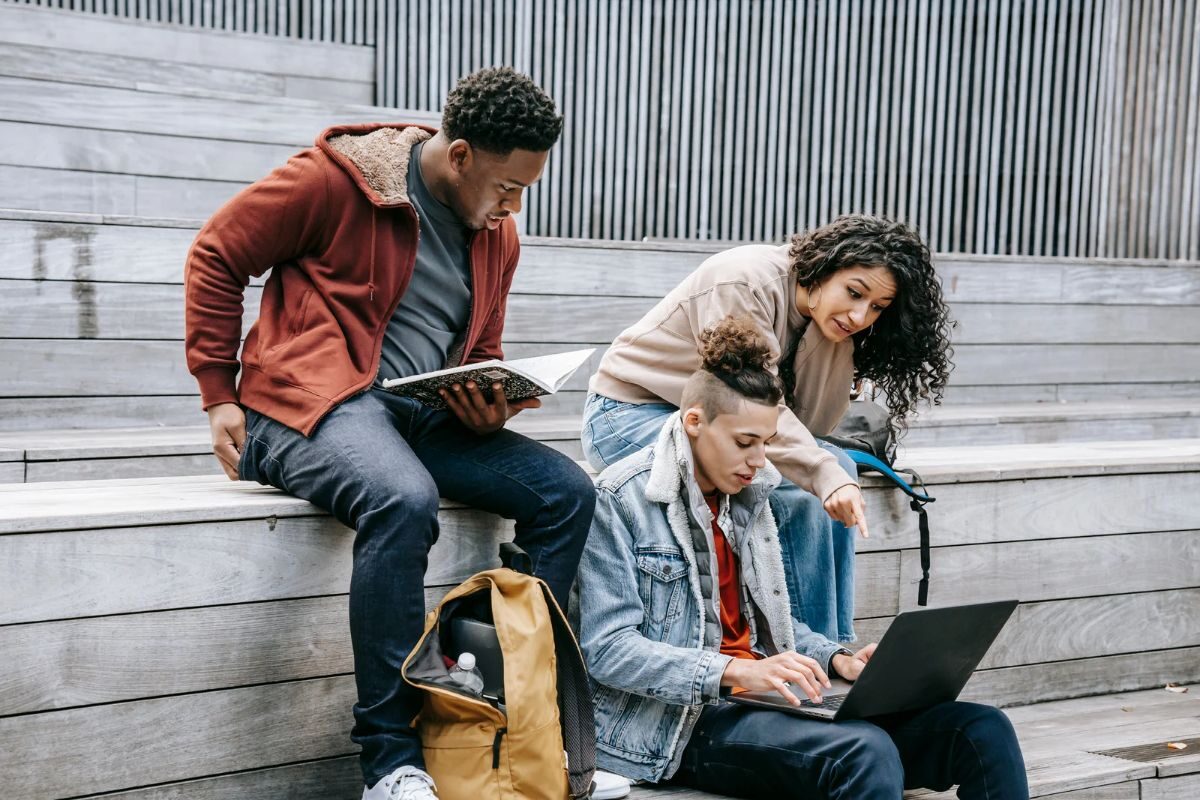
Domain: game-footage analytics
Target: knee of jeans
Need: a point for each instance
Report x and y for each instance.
(403, 502)
(872, 752)
(574, 494)
(983, 724)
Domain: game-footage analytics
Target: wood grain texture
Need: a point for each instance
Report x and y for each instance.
(117, 570)
(327, 779)
(175, 738)
(1034, 684)
(187, 46)
(134, 153)
(79, 66)
(223, 117)
(1061, 568)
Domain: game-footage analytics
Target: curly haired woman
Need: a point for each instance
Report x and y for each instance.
(852, 300)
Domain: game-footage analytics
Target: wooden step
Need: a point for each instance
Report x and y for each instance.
(90, 49)
(124, 603)
(152, 149)
(97, 453)
(1060, 741)
(105, 453)
(82, 290)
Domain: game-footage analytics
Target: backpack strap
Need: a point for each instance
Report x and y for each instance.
(917, 502)
(575, 711)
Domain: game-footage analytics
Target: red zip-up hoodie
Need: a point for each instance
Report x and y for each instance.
(340, 238)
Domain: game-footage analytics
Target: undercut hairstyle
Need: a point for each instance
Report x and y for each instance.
(735, 360)
(500, 110)
(907, 352)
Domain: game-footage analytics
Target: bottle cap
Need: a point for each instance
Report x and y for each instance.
(466, 662)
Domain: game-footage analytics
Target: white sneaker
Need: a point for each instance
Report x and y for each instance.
(609, 786)
(406, 783)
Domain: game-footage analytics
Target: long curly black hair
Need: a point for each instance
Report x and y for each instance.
(907, 352)
(500, 110)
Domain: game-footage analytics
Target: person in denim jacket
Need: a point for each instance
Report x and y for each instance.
(682, 599)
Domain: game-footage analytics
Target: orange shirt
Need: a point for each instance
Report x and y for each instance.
(735, 630)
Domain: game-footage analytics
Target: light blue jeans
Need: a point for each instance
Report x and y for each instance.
(818, 553)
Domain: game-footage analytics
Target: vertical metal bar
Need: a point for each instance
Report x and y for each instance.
(1087, 71)
(810, 94)
(1189, 201)
(1168, 186)
(890, 141)
(923, 110)
(1013, 125)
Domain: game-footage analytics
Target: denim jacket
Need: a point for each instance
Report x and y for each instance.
(644, 607)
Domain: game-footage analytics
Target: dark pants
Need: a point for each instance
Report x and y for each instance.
(378, 464)
(742, 751)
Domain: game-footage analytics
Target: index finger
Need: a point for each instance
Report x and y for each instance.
(860, 517)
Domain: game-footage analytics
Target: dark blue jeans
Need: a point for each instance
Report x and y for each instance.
(378, 463)
(742, 751)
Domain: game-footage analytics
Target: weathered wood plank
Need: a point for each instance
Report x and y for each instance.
(77, 66)
(1037, 683)
(110, 468)
(132, 153)
(94, 193)
(182, 197)
(125, 570)
(329, 90)
(1081, 769)
(1171, 788)
(107, 35)
(329, 779)
(611, 269)
(235, 117)
(54, 251)
(99, 412)
(1119, 363)
(1026, 510)
(40, 308)
(12, 472)
(1062, 568)
(1088, 627)
(225, 731)
(69, 663)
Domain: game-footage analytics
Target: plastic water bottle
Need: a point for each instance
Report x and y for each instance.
(466, 675)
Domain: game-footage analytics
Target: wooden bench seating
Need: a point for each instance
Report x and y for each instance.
(68, 455)
(81, 290)
(168, 637)
(127, 606)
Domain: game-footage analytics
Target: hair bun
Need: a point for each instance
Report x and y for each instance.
(733, 345)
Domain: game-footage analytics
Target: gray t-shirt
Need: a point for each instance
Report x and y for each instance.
(436, 306)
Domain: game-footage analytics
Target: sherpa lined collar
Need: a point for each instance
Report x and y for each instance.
(377, 156)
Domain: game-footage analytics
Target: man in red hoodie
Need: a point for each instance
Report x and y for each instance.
(391, 250)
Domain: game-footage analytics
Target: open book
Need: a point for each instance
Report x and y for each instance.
(522, 377)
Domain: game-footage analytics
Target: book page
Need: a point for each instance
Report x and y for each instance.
(551, 371)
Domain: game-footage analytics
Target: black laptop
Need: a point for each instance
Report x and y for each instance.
(924, 658)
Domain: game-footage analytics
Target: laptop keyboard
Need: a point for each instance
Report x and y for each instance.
(831, 703)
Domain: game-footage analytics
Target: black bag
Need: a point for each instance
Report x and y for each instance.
(867, 438)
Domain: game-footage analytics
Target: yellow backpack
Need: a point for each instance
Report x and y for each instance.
(540, 743)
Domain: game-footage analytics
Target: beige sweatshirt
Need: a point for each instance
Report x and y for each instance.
(653, 359)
